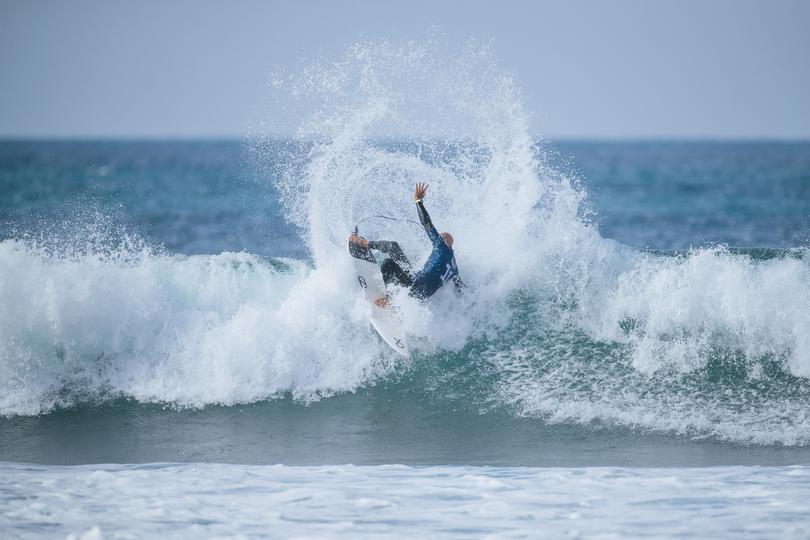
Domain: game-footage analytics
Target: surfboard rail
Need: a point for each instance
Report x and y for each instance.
(369, 279)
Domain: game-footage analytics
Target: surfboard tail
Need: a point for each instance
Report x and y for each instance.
(385, 322)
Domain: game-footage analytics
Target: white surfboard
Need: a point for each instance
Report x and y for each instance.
(369, 279)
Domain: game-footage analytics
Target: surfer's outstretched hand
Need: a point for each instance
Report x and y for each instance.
(421, 190)
(359, 240)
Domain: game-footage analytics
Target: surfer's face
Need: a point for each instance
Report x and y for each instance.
(448, 238)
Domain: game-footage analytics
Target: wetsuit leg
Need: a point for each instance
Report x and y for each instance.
(392, 273)
(393, 250)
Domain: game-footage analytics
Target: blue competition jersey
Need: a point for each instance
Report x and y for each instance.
(440, 266)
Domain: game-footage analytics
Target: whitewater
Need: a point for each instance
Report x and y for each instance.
(383, 502)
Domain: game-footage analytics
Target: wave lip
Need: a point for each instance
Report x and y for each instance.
(194, 330)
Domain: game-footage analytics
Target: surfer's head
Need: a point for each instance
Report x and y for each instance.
(448, 238)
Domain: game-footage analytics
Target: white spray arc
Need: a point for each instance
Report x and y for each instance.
(390, 115)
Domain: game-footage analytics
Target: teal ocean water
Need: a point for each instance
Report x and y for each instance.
(638, 313)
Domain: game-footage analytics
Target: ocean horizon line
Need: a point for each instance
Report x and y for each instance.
(538, 138)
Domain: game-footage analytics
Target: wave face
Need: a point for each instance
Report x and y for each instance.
(560, 324)
(195, 330)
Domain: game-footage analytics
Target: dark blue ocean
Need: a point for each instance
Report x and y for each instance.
(205, 197)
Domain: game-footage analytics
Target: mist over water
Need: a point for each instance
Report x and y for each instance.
(559, 324)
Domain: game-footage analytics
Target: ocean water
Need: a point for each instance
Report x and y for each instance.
(631, 357)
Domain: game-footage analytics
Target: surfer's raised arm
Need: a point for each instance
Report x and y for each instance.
(424, 217)
(418, 195)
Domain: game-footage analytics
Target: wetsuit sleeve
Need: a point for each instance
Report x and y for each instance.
(431, 231)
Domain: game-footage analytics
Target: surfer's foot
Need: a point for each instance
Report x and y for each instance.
(359, 240)
(382, 301)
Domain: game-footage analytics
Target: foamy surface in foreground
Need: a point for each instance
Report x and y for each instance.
(393, 501)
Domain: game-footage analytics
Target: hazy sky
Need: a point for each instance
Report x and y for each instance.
(587, 68)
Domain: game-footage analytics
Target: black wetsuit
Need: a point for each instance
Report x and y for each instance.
(438, 270)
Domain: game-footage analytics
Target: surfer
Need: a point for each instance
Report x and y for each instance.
(396, 269)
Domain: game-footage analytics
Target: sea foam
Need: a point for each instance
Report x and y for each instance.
(392, 501)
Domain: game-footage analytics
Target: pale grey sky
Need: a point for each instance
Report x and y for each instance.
(626, 69)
